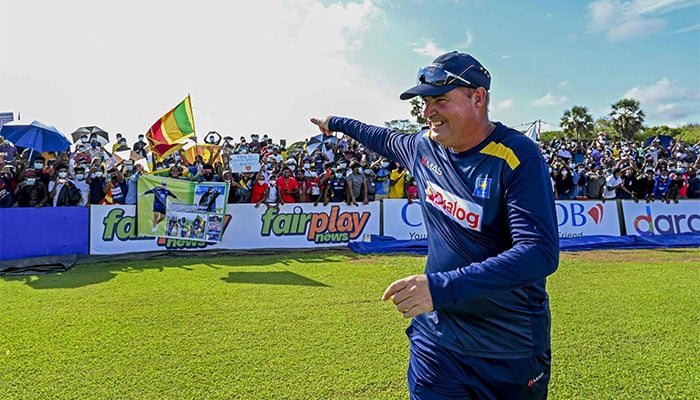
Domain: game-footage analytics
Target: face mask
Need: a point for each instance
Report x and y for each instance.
(338, 175)
(292, 167)
(129, 167)
(564, 172)
(123, 143)
(342, 165)
(84, 166)
(334, 169)
(99, 174)
(38, 165)
(62, 175)
(80, 177)
(272, 183)
(83, 140)
(314, 174)
(385, 164)
(664, 176)
(140, 138)
(31, 181)
(367, 171)
(81, 149)
(307, 166)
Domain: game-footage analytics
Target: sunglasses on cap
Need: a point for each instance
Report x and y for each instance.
(437, 76)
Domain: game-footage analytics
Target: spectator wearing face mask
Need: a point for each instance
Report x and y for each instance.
(96, 179)
(643, 186)
(336, 190)
(383, 174)
(7, 188)
(43, 172)
(693, 190)
(663, 182)
(132, 174)
(140, 146)
(31, 192)
(61, 179)
(357, 184)
(371, 180)
(287, 186)
(81, 184)
(115, 188)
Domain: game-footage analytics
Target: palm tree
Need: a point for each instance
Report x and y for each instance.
(417, 106)
(627, 117)
(577, 121)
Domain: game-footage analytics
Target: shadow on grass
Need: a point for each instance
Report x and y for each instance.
(95, 270)
(272, 278)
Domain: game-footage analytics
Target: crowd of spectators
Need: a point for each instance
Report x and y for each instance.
(336, 171)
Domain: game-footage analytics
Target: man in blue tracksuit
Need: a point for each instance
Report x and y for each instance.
(481, 320)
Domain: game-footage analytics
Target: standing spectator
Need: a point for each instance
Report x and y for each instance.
(302, 194)
(132, 175)
(83, 186)
(260, 190)
(612, 184)
(594, 184)
(662, 184)
(97, 180)
(371, 179)
(56, 186)
(643, 186)
(674, 187)
(287, 186)
(625, 191)
(115, 188)
(140, 146)
(314, 188)
(31, 192)
(7, 150)
(693, 191)
(357, 184)
(397, 183)
(336, 188)
(7, 189)
(563, 183)
(383, 181)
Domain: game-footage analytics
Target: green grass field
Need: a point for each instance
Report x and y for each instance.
(310, 325)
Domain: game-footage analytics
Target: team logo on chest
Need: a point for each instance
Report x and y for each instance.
(482, 187)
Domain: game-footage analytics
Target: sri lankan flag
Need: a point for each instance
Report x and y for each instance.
(167, 134)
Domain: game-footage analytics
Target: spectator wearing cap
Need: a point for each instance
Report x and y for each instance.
(7, 186)
(381, 168)
(160, 199)
(31, 192)
(336, 188)
(287, 186)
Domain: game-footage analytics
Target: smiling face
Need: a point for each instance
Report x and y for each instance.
(458, 118)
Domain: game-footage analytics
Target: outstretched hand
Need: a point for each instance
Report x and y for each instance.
(411, 295)
(322, 124)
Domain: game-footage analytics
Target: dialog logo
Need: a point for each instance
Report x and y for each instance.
(463, 212)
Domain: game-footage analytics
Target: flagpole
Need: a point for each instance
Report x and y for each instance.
(193, 124)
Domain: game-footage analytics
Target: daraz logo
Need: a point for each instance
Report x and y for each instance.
(319, 227)
(648, 224)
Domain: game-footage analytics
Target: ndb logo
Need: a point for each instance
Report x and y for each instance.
(576, 214)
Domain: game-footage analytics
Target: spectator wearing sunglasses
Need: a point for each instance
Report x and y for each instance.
(481, 320)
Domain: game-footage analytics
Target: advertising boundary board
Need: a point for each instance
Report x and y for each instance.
(658, 218)
(245, 227)
(404, 221)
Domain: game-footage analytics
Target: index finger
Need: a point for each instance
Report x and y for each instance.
(393, 289)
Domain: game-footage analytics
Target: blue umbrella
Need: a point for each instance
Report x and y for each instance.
(36, 136)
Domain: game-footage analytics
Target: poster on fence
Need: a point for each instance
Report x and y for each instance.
(174, 208)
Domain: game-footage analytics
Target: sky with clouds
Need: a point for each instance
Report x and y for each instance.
(270, 65)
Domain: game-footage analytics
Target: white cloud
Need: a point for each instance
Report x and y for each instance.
(428, 48)
(469, 41)
(622, 20)
(504, 104)
(506, 56)
(119, 66)
(664, 101)
(550, 100)
(563, 85)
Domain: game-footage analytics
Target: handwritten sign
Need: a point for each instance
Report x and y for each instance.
(244, 162)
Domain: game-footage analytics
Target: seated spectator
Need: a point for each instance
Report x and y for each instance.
(31, 192)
